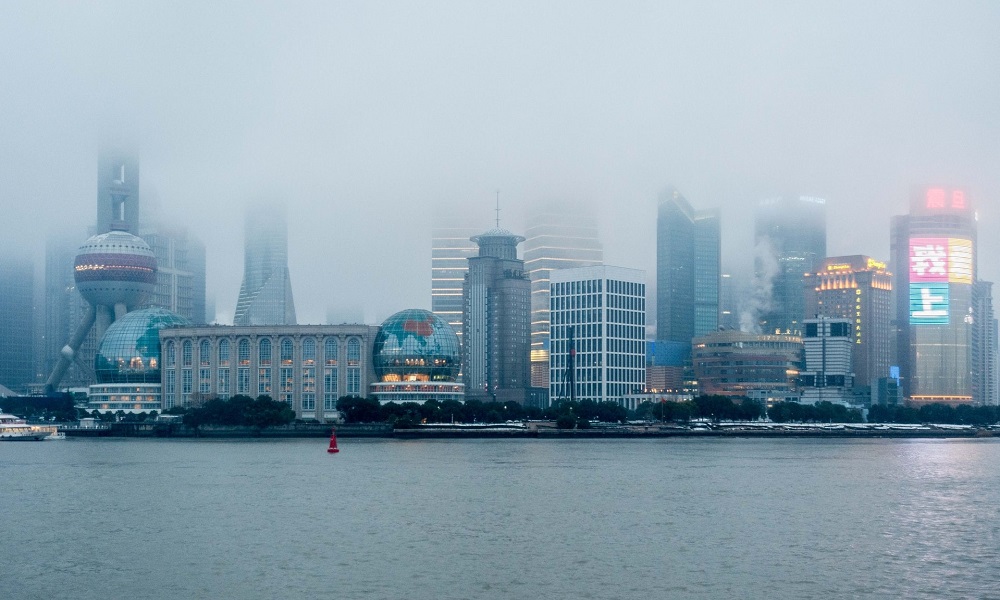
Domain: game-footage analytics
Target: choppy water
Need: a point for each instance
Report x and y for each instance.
(501, 519)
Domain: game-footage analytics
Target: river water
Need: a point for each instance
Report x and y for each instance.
(668, 518)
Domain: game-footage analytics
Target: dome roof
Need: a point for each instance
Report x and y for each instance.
(416, 345)
(129, 351)
(115, 242)
(115, 267)
(497, 232)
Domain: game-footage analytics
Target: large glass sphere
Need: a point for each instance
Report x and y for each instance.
(416, 345)
(115, 267)
(129, 351)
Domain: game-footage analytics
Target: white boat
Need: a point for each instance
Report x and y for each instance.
(16, 429)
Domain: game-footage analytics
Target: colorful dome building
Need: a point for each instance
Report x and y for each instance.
(417, 357)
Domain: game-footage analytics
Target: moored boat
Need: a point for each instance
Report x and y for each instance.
(16, 429)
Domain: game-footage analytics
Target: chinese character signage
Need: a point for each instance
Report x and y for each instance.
(929, 259)
(940, 199)
(959, 261)
(928, 303)
(941, 260)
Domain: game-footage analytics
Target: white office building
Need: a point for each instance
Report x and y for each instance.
(828, 344)
(598, 324)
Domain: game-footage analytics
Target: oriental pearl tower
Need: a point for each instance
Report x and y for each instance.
(114, 271)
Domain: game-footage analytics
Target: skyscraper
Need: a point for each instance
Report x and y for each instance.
(688, 273)
(451, 247)
(858, 288)
(934, 257)
(266, 292)
(17, 368)
(118, 190)
(984, 345)
(600, 354)
(180, 275)
(495, 321)
(790, 238)
(559, 236)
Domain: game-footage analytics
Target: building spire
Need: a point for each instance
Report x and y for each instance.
(498, 209)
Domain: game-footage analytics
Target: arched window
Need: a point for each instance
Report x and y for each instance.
(224, 352)
(286, 351)
(265, 352)
(186, 353)
(205, 353)
(244, 352)
(353, 352)
(171, 354)
(330, 350)
(309, 351)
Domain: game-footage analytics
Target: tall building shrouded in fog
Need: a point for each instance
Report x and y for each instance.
(118, 191)
(559, 236)
(180, 272)
(934, 258)
(266, 292)
(496, 338)
(688, 275)
(985, 389)
(451, 248)
(858, 288)
(17, 368)
(790, 238)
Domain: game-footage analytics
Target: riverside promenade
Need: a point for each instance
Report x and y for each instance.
(534, 430)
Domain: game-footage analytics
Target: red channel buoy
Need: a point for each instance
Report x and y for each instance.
(333, 443)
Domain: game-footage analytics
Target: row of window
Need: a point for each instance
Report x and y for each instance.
(286, 384)
(286, 352)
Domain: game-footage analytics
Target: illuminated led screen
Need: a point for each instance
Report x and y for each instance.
(929, 303)
(941, 260)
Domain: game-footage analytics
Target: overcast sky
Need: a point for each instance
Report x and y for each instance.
(362, 116)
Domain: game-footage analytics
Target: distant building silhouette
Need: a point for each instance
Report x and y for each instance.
(266, 292)
(558, 236)
(17, 365)
(790, 237)
(180, 275)
(451, 248)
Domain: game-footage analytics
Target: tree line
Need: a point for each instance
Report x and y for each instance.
(239, 410)
(356, 409)
(963, 414)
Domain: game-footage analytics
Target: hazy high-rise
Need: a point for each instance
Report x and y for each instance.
(17, 368)
(180, 275)
(266, 292)
(790, 240)
(558, 236)
(117, 190)
(451, 247)
(688, 274)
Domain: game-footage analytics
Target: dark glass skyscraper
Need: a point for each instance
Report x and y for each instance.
(266, 292)
(496, 336)
(17, 367)
(688, 273)
(790, 238)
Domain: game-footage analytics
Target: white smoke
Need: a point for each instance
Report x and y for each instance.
(760, 297)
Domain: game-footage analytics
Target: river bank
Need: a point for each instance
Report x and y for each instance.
(533, 430)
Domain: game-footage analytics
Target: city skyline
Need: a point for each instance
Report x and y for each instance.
(361, 138)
